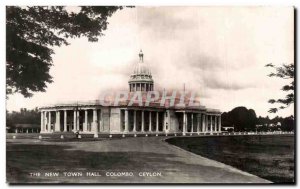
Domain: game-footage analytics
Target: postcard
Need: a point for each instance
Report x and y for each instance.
(150, 95)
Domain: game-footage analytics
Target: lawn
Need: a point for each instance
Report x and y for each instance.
(267, 156)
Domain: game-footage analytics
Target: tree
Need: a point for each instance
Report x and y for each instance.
(31, 32)
(23, 117)
(241, 118)
(284, 72)
(288, 124)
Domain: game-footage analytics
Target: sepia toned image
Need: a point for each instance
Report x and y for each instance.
(150, 95)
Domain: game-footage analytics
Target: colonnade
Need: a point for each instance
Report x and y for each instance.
(51, 120)
(200, 122)
(140, 87)
(154, 122)
(130, 120)
(191, 122)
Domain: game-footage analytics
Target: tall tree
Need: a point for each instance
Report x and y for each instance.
(241, 118)
(286, 71)
(31, 32)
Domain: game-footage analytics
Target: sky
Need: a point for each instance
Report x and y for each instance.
(219, 52)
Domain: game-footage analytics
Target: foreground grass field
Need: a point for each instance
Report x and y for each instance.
(27, 154)
(270, 157)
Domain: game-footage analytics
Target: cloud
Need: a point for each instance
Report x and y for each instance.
(165, 22)
(202, 62)
(221, 83)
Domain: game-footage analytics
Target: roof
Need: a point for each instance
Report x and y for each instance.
(142, 99)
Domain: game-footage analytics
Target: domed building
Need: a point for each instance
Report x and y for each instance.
(143, 111)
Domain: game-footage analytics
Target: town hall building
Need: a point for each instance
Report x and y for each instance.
(95, 117)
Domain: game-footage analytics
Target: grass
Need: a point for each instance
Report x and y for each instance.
(23, 159)
(270, 157)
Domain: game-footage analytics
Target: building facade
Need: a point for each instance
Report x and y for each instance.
(96, 117)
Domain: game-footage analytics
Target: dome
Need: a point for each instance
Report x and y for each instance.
(141, 72)
(141, 78)
(141, 69)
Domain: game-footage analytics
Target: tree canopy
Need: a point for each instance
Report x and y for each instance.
(241, 118)
(24, 116)
(286, 71)
(244, 119)
(31, 32)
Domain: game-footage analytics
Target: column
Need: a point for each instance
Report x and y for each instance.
(45, 121)
(65, 120)
(77, 120)
(100, 120)
(49, 124)
(207, 123)
(212, 123)
(198, 123)
(74, 120)
(211, 130)
(216, 124)
(57, 121)
(85, 121)
(134, 120)
(150, 122)
(166, 121)
(143, 121)
(42, 121)
(192, 126)
(203, 122)
(184, 123)
(157, 119)
(219, 123)
(94, 124)
(126, 120)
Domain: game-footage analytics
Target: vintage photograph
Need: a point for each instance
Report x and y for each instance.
(150, 95)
